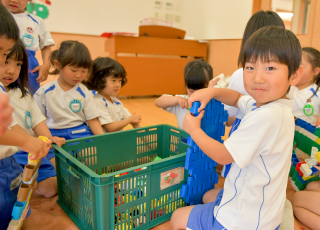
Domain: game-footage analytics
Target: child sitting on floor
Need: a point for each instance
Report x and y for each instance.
(254, 191)
(107, 78)
(198, 74)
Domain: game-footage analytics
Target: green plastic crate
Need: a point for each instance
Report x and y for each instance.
(110, 182)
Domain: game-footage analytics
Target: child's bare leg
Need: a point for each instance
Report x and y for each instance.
(306, 208)
(179, 219)
(53, 162)
(313, 186)
(47, 187)
(211, 195)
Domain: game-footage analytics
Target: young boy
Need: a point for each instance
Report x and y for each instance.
(255, 189)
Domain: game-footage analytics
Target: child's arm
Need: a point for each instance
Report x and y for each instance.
(134, 120)
(212, 148)
(44, 68)
(27, 143)
(166, 101)
(5, 113)
(95, 126)
(42, 129)
(226, 96)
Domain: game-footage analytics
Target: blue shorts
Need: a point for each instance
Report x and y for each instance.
(70, 133)
(10, 171)
(33, 63)
(46, 169)
(226, 168)
(201, 216)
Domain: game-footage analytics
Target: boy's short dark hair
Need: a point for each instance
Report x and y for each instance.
(72, 53)
(102, 68)
(258, 21)
(197, 74)
(273, 43)
(9, 27)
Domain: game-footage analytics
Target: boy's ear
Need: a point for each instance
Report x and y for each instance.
(56, 64)
(295, 78)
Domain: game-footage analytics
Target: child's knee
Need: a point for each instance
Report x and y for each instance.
(313, 186)
(48, 187)
(174, 220)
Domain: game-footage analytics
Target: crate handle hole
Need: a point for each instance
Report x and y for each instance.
(90, 140)
(173, 130)
(74, 143)
(153, 129)
(141, 131)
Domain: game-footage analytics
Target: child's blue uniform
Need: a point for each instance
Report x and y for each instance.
(34, 35)
(66, 112)
(28, 116)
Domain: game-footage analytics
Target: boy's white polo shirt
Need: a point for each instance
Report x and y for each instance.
(56, 105)
(110, 112)
(299, 101)
(255, 188)
(178, 111)
(21, 106)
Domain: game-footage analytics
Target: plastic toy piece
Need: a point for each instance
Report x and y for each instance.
(223, 81)
(157, 158)
(21, 207)
(201, 168)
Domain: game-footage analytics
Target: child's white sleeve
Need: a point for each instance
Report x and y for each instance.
(90, 109)
(125, 112)
(40, 100)
(256, 135)
(246, 104)
(105, 116)
(45, 38)
(37, 116)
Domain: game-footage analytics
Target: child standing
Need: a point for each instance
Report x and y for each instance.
(306, 101)
(107, 77)
(66, 103)
(34, 35)
(255, 189)
(14, 77)
(197, 75)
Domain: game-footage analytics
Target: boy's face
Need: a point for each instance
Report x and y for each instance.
(5, 47)
(267, 81)
(15, 6)
(112, 86)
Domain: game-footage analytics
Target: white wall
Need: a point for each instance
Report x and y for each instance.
(202, 19)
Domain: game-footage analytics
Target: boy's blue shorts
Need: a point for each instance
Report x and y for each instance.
(10, 179)
(46, 169)
(70, 133)
(33, 63)
(201, 216)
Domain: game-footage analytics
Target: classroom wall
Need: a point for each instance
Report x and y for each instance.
(202, 19)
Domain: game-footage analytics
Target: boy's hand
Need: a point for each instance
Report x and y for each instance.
(183, 102)
(135, 119)
(5, 112)
(58, 141)
(317, 122)
(43, 72)
(191, 123)
(203, 96)
(37, 147)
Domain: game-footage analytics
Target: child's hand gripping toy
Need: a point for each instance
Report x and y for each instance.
(29, 177)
